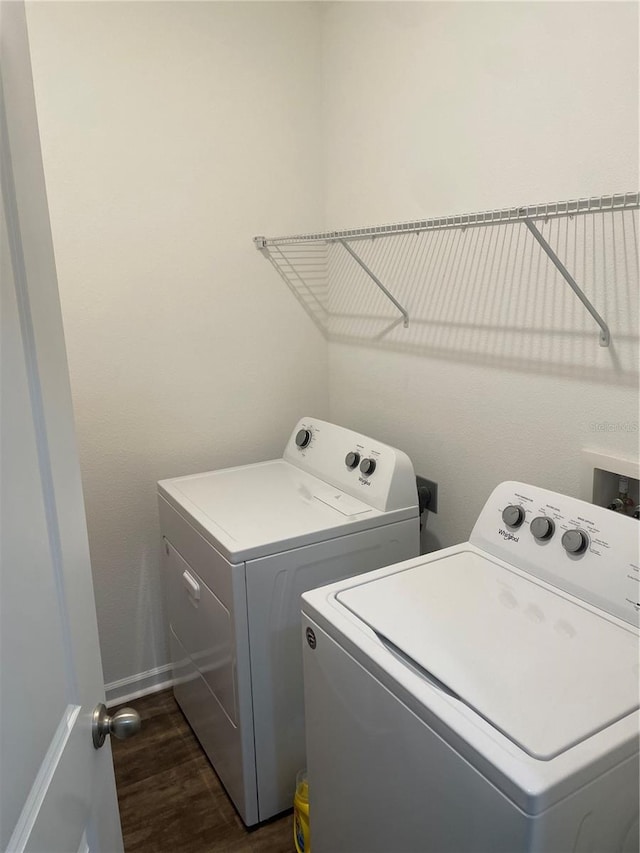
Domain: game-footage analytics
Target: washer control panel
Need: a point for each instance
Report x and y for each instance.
(376, 473)
(586, 550)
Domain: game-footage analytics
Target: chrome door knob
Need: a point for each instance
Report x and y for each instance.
(123, 724)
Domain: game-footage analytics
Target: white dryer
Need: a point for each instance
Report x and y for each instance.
(241, 545)
(482, 698)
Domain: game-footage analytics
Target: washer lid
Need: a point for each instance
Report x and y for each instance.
(539, 667)
(255, 510)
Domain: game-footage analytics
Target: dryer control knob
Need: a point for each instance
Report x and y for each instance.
(542, 527)
(513, 515)
(303, 437)
(351, 460)
(575, 541)
(368, 466)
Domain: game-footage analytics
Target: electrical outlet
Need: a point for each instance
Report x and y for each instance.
(432, 502)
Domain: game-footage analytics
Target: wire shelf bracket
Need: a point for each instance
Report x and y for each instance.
(376, 280)
(525, 215)
(605, 334)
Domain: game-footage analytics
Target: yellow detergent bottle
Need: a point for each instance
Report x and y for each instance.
(301, 814)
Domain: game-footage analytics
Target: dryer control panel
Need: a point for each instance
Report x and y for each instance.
(586, 550)
(380, 475)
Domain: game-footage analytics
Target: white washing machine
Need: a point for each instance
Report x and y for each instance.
(484, 697)
(241, 545)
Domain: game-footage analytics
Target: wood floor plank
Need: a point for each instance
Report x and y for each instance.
(170, 798)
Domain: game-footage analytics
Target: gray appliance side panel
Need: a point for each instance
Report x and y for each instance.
(381, 780)
(274, 587)
(602, 815)
(230, 747)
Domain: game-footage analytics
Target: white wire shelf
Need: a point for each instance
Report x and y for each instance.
(276, 247)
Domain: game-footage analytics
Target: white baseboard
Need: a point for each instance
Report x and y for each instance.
(138, 685)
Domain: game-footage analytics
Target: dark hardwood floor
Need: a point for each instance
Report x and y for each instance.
(171, 800)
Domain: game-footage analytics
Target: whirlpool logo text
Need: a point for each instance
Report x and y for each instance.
(508, 536)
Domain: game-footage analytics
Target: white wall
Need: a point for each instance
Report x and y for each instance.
(172, 133)
(444, 108)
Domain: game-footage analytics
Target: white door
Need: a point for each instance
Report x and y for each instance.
(57, 792)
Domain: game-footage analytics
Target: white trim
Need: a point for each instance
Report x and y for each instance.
(135, 686)
(84, 844)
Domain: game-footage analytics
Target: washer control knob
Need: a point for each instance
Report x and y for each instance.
(351, 460)
(368, 466)
(513, 515)
(575, 541)
(542, 527)
(303, 437)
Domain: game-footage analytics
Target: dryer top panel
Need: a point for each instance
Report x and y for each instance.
(255, 510)
(373, 472)
(545, 671)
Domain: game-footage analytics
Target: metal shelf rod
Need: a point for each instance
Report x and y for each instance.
(616, 201)
(525, 215)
